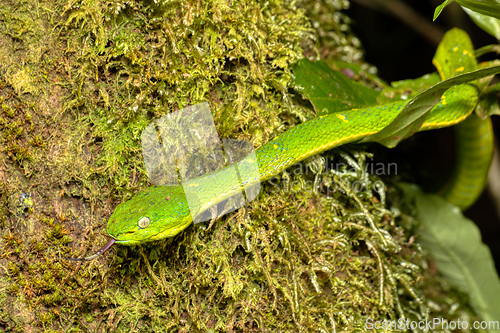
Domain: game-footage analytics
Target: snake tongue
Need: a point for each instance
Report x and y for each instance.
(97, 254)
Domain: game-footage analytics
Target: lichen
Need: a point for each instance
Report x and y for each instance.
(92, 75)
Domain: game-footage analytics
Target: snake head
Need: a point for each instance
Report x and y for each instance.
(156, 213)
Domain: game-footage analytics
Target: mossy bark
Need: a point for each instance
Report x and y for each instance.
(79, 80)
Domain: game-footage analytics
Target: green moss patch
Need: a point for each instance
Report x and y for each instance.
(79, 81)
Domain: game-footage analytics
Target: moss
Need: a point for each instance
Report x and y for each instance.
(93, 74)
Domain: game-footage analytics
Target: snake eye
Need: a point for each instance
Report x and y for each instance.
(144, 222)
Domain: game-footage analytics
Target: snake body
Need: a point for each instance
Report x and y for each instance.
(162, 211)
(475, 144)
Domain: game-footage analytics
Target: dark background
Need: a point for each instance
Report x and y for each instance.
(400, 39)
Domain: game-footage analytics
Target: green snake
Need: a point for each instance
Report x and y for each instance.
(162, 211)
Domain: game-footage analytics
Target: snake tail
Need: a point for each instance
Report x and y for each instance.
(474, 137)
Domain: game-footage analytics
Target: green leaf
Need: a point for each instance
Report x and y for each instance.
(455, 54)
(488, 103)
(329, 90)
(482, 84)
(413, 115)
(405, 89)
(459, 254)
(420, 83)
(440, 8)
(489, 24)
(492, 48)
(357, 70)
(484, 7)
